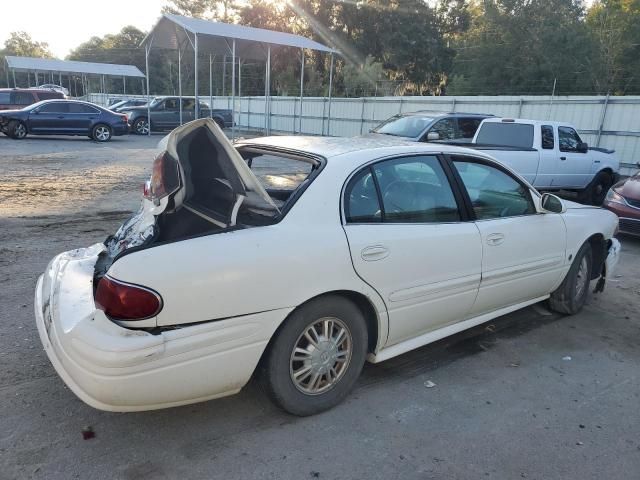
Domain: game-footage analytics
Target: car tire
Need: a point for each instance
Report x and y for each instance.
(141, 126)
(596, 191)
(101, 133)
(17, 129)
(304, 378)
(571, 295)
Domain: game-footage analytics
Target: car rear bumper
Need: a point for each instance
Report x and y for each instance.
(120, 129)
(119, 369)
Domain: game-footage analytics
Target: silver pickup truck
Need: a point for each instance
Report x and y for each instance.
(550, 155)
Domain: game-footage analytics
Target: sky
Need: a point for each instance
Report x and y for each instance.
(65, 24)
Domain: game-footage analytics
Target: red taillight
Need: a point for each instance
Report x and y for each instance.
(165, 179)
(125, 118)
(123, 301)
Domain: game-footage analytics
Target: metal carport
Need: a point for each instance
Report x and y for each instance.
(213, 38)
(53, 66)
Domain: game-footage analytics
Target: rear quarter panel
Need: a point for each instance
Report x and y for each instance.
(255, 269)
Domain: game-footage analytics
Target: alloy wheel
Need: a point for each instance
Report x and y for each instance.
(102, 133)
(321, 356)
(20, 131)
(142, 127)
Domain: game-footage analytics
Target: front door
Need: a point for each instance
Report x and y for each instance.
(573, 168)
(522, 251)
(409, 240)
(50, 118)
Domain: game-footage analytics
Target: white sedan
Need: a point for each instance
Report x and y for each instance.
(298, 258)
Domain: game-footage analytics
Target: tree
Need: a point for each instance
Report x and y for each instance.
(223, 10)
(521, 46)
(615, 29)
(22, 45)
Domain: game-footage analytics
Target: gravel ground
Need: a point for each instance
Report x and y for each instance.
(530, 395)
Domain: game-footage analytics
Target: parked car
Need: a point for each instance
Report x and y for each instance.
(549, 155)
(165, 114)
(623, 199)
(123, 105)
(14, 98)
(54, 87)
(427, 126)
(63, 117)
(373, 249)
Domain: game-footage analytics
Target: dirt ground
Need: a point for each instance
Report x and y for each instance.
(531, 395)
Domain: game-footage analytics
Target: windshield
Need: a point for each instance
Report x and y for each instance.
(404, 126)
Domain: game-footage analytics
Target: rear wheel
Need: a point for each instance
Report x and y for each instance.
(17, 130)
(141, 126)
(572, 293)
(596, 191)
(101, 133)
(316, 356)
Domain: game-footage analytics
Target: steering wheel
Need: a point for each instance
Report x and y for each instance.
(397, 184)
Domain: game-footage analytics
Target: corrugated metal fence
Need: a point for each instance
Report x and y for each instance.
(611, 122)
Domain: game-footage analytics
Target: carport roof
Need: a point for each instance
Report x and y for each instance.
(215, 37)
(29, 64)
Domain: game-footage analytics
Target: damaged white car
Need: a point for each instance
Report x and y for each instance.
(298, 258)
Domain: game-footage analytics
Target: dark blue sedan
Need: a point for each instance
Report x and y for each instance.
(63, 117)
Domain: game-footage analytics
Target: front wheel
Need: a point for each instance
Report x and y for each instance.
(101, 133)
(596, 191)
(17, 130)
(570, 296)
(141, 126)
(316, 356)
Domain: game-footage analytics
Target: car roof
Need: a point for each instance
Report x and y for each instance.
(65, 100)
(329, 147)
(433, 113)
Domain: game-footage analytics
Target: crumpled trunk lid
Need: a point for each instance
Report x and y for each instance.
(198, 185)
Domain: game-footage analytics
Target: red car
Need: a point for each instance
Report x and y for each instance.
(17, 98)
(623, 199)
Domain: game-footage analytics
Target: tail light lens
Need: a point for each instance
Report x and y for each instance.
(165, 179)
(125, 118)
(124, 301)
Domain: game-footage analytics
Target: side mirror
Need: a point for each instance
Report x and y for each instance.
(551, 203)
(583, 147)
(431, 136)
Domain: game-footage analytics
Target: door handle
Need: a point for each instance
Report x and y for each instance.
(61, 116)
(374, 252)
(563, 158)
(495, 239)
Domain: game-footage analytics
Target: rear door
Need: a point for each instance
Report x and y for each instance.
(188, 110)
(573, 168)
(522, 250)
(81, 117)
(409, 240)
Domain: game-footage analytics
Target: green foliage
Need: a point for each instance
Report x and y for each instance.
(403, 47)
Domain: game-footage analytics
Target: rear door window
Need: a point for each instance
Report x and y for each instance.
(517, 135)
(467, 127)
(80, 108)
(5, 98)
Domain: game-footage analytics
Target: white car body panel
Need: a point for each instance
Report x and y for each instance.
(552, 168)
(227, 293)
